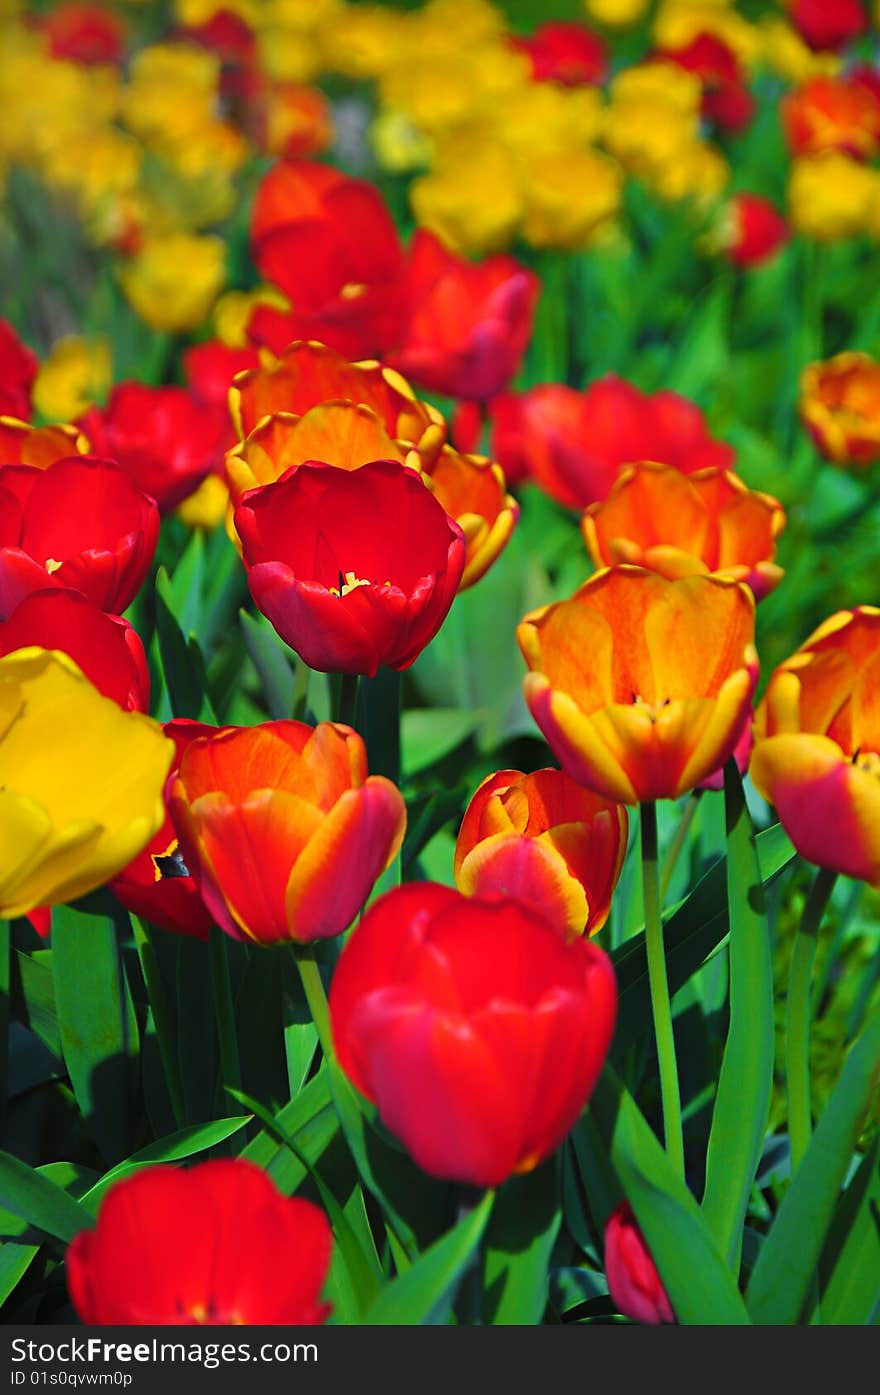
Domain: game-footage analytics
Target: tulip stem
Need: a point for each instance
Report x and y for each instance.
(680, 837)
(313, 987)
(223, 1006)
(659, 985)
(346, 699)
(798, 1016)
(162, 1019)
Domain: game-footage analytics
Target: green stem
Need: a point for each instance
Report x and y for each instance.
(162, 1017)
(659, 985)
(382, 723)
(316, 998)
(678, 842)
(301, 675)
(5, 952)
(345, 699)
(224, 1008)
(798, 1016)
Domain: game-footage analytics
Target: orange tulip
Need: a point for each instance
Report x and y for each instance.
(830, 113)
(642, 685)
(545, 841)
(473, 491)
(309, 373)
(282, 829)
(681, 525)
(840, 406)
(817, 745)
(39, 446)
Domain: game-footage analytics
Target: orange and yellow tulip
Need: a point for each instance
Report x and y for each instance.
(840, 406)
(642, 685)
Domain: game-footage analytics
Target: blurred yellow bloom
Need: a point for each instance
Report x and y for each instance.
(96, 166)
(287, 55)
(472, 200)
(568, 195)
(80, 782)
(647, 135)
(616, 12)
(786, 53)
(659, 81)
(698, 172)
(193, 13)
(173, 281)
(443, 24)
(206, 508)
(678, 22)
(364, 42)
(233, 311)
(172, 93)
(398, 143)
(545, 118)
(831, 196)
(76, 373)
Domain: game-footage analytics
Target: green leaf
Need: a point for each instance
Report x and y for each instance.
(39, 1201)
(182, 662)
(99, 1035)
(690, 934)
(427, 734)
(184, 1144)
(268, 654)
(525, 1223)
(742, 1104)
(186, 585)
(782, 1279)
(697, 1280)
(363, 1277)
(850, 1265)
(33, 996)
(309, 1119)
(425, 1293)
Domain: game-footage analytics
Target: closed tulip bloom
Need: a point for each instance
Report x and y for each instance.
(832, 196)
(282, 828)
(165, 438)
(81, 523)
(726, 99)
(682, 525)
(157, 884)
(817, 745)
(840, 406)
(307, 375)
(468, 324)
(829, 24)
(640, 684)
(330, 244)
(545, 841)
(212, 1244)
(105, 647)
(573, 444)
(477, 1031)
(830, 113)
(85, 33)
(18, 369)
(565, 52)
(353, 568)
(633, 1281)
(69, 824)
(749, 231)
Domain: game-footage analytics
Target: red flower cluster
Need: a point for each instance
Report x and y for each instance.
(573, 443)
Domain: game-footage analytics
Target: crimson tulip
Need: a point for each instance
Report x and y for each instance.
(18, 369)
(330, 244)
(633, 1281)
(475, 1028)
(829, 24)
(164, 437)
(726, 98)
(215, 1244)
(83, 33)
(106, 647)
(468, 325)
(354, 568)
(566, 52)
(751, 230)
(82, 523)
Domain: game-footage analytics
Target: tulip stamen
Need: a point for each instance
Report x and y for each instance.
(52, 565)
(350, 581)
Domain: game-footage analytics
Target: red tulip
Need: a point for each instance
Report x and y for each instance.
(157, 885)
(573, 443)
(726, 99)
(468, 324)
(282, 828)
(354, 568)
(166, 439)
(213, 1244)
(565, 52)
(752, 230)
(82, 523)
(477, 1031)
(829, 113)
(330, 244)
(633, 1281)
(18, 369)
(829, 24)
(105, 647)
(87, 34)
(210, 368)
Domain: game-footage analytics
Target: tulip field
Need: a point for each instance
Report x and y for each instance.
(440, 662)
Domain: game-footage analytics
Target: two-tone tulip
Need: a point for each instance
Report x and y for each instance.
(642, 685)
(840, 406)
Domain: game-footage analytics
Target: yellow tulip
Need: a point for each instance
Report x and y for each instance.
(81, 782)
(76, 373)
(173, 281)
